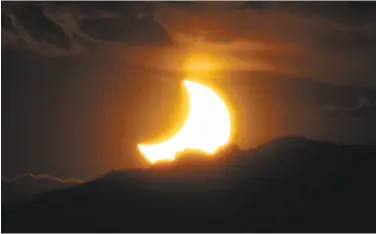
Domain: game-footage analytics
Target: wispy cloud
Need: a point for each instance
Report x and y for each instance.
(43, 177)
(329, 42)
(326, 41)
(55, 29)
(363, 108)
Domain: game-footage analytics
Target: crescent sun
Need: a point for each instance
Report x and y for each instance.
(207, 127)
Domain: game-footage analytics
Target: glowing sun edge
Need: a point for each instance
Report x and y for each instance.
(207, 127)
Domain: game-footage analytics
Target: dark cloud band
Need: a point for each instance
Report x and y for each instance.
(64, 28)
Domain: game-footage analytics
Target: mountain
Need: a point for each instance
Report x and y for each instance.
(28, 186)
(291, 184)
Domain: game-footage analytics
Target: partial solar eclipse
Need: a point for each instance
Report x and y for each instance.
(207, 127)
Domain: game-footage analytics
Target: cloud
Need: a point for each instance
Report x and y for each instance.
(270, 26)
(352, 13)
(293, 38)
(55, 29)
(362, 102)
(7, 24)
(323, 41)
(363, 108)
(40, 27)
(43, 177)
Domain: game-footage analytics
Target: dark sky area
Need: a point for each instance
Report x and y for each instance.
(84, 82)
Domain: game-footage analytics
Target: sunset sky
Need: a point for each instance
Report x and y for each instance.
(84, 82)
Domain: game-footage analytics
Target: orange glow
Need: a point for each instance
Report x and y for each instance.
(200, 66)
(207, 127)
(200, 63)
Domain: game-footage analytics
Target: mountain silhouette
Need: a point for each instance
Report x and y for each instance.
(291, 184)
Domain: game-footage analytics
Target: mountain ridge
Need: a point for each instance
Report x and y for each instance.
(299, 186)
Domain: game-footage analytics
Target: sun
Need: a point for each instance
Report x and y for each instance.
(207, 127)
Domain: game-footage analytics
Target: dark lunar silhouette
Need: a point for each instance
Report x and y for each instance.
(290, 184)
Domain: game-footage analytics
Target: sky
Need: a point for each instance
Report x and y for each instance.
(84, 82)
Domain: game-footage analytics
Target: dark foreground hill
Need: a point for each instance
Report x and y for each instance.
(288, 185)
